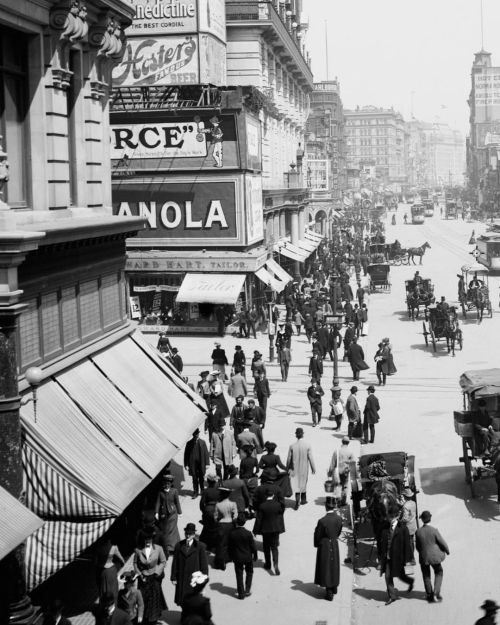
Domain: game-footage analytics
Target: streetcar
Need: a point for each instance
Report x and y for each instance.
(488, 246)
(417, 214)
(428, 208)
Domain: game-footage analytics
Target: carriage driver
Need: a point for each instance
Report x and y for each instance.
(417, 278)
(475, 283)
(443, 305)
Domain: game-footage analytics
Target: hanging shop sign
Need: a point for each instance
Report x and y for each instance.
(135, 307)
(254, 209)
(184, 213)
(195, 142)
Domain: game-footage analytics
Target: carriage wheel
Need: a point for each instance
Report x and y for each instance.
(397, 260)
(468, 467)
(433, 339)
(425, 334)
(405, 260)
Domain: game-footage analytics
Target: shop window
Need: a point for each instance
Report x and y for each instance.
(89, 308)
(69, 313)
(29, 335)
(51, 324)
(13, 113)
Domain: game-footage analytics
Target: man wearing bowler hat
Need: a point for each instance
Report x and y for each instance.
(353, 413)
(190, 555)
(298, 462)
(371, 415)
(490, 613)
(432, 550)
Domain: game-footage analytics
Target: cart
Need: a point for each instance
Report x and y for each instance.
(379, 277)
(475, 297)
(442, 324)
(425, 296)
(470, 424)
(396, 255)
(390, 471)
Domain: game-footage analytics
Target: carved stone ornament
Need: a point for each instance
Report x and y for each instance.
(108, 37)
(68, 25)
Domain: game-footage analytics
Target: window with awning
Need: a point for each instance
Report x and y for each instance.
(211, 288)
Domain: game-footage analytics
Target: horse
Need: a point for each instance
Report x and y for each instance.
(452, 331)
(418, 298)
(479, 298)
(417, 251)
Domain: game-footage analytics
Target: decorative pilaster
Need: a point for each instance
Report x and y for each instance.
(108, 40)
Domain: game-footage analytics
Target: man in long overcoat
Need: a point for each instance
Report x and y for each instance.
(270, 523)
(327, 572)
(196, 461)
(222, 451)
(395, 554)
(370, 415)
(190, 556)
(298, 462)
(356, 358)
(349, 334)
(322, 333)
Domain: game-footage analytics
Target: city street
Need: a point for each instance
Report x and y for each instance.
(416, 416)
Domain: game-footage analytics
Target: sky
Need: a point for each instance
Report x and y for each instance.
(383, 50)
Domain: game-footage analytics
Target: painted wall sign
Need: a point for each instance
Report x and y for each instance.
(245, 265)
(185, 212)
(254, 209)
(158, 61)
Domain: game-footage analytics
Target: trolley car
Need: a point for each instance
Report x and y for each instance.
(417, 214)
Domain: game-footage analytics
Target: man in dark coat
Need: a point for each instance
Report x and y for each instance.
(314, 395)
(356, 358)
(370, 415)
(219, 360)
(239, 491)
(196, 461)
(107, 613)
(237, 420)
(333, 337)
(239, 359)
(322, 334)
(262, 391)
(349, 334)
(327, 572)
(270, 523)
(255, 413)
(316, 367)
(432, 549)
(242, 551)
(177, 360)
(190, 556)
(215, 419)
(395, 554)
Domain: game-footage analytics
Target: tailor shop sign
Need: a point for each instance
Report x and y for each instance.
(187, 213)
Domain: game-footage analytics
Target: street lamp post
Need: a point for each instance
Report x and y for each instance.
(337, 321)
(270, 326)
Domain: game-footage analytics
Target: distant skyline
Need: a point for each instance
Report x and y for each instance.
(383, 51)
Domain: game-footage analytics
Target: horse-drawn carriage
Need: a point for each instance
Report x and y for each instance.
(379, 276)
(451, 209)
(473, 290)
(443, 324)
(396, 254)
(376, 492)
(478, 424)
(418, 293)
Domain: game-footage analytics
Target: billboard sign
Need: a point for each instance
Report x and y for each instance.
(205, 212)
(487, 95)
(158, 61)
(163, 17)
(212, 18)
(254, 209)
(198, 142)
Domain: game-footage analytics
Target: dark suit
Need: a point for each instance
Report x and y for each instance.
(322, 334)
(396, 551)
(242, 551)
(262, 391)
(327, 572)
(239, 493)
(371, 417)
(316, 368)
(196, 459)
(196, 610)
(257, 415)
(356, 357)
(432, 549)
(215, 419)
(270, 523)
(314, 395)
(186, 561)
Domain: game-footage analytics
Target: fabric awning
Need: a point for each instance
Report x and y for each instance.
(308, 245)
(16, 522)
(264, 275)
(105, 428)
(481, 382)
(211, 288)
(291, 254)
(278, 271)
(310, 234)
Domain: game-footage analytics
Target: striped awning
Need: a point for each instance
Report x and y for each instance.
(267, 278)
(278, 271)
(16, 522)
(105, 428)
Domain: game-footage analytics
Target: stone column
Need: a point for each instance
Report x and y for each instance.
(302, 222)
(282, 215)
(15, 605)
(276, 226)
(295, 237)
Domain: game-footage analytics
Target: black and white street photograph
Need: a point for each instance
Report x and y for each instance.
(249, 312)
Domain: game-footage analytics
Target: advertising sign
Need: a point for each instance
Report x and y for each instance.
(196, 142)
(254, 209)
(163, 17)
(135, 307)
(212, 17)
(207, 212)
(487, 95)
(212, 60)
(158, 61)
(253, 136)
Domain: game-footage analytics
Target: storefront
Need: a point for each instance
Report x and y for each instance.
(181, 292)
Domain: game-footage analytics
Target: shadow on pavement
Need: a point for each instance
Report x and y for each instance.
(441, 349)
(171, 617)
(374, 595)
(223, 590)
(308, 588)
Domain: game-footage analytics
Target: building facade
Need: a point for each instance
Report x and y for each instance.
(483, 140)
(324, 164)
(376, 136)
(63, 299)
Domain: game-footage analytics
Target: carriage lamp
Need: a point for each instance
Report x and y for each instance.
(33, 375)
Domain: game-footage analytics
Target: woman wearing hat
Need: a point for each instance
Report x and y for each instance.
(149, 565)
(167, 510)
(217, 394)
(210, 497)
(226, 514)
(196, 608)
(130, 598)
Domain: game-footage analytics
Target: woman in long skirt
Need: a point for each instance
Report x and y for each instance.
(209, 499)
(109, 560)
(167, 512)
(226, 514)
(149, 564)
